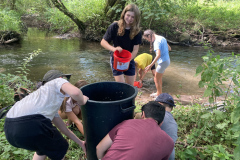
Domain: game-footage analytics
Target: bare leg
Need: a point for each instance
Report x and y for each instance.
(120, 78)
(136, 73)
(130, 80)
(153, 72)
(140, 71)
(158, 82)
(64, 116)
(37, 157)
(78, 123)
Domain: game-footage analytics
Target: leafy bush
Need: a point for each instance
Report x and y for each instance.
(9, 82)
(212, 132)
(203, 134)
(10, 21)
(216, 15)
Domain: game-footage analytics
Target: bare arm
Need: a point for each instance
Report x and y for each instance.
(75, 93)
(158, 55)
(76, 121)
(169, 48)
(142, 75)
(103, 146)
(109, 47)
(58, 122)
(135, 51)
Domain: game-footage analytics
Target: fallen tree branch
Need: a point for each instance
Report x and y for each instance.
(10, 41)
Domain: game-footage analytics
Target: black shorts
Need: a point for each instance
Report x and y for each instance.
(129, 72)
(36, 133)
(153, 67)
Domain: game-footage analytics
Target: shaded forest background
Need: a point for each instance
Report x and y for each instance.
(181, 22)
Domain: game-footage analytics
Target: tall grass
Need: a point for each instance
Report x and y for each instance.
(215, 14)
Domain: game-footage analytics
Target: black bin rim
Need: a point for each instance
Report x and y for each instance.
(117, 101)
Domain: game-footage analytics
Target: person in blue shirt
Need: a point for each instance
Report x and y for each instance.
(169, 124)
(162, 58)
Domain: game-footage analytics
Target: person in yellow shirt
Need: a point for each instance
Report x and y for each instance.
(141, 62)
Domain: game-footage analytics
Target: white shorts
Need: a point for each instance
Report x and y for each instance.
(162, 66)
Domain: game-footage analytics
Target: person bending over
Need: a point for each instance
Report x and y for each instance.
(138, 138)
(28, 123)
(71, 110)
(141, 62)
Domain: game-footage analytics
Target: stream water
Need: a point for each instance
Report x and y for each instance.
(89, 61)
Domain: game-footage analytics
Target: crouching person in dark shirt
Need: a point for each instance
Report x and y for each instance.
(137, 139)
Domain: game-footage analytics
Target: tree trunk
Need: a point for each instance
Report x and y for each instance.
(58, 4)
(11, 4)
(111, 8)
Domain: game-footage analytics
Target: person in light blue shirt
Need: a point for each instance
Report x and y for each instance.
(162, 58)
(169, 124)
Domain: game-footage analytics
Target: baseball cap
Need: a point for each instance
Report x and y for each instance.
(165, 98)
(53, 74)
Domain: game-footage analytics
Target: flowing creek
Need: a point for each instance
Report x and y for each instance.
(89, 61)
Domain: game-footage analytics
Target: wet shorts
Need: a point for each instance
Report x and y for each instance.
(129, 72)
(36, 133)
(162, 66)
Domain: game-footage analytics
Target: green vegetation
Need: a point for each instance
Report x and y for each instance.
(164, 16)
(205, 132)
(212, 132)
(216, 15)
(10, 21)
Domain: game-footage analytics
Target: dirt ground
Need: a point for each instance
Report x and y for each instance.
(184, 99)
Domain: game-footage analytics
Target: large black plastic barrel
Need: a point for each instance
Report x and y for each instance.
(109, 104)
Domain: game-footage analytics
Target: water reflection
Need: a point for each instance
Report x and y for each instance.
(89, 61)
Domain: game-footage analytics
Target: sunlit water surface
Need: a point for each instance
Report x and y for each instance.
(89, 61)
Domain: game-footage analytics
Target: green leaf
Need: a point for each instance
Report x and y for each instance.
(235, 115)
(17, 152)
(199, 70)
(218, 113)
(201, 84)
(221, 125)
(207, 92)
(237, 152)
(206, 116)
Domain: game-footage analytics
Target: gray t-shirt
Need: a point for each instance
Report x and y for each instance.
(170, 127)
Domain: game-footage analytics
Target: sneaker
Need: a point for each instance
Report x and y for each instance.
(153, 95)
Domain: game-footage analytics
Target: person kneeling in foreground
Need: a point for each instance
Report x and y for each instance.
(28, 123)
(138, 138)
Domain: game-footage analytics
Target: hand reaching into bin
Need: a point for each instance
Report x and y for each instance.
(35, 115)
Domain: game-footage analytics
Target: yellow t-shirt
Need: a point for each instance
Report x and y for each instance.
(143, 60)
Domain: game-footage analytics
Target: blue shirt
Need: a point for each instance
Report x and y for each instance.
(170, 127)
(161, 44)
